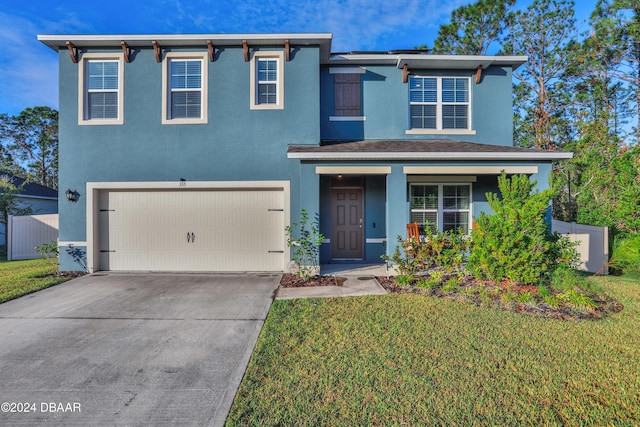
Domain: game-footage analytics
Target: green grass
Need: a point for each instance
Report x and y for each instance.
(19, 278)
(416, 360)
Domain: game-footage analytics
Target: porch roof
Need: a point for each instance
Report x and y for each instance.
(411, 149)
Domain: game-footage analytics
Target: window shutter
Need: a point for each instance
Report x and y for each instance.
(347, 94)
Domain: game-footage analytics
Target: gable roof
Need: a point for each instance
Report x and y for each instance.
(31, 189)
(412, 149)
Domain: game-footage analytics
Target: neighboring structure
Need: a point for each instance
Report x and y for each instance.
(41, 199)
(193, 152)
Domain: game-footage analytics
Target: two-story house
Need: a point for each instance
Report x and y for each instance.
(194, 152)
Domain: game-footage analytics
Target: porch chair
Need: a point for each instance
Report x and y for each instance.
(413, 231)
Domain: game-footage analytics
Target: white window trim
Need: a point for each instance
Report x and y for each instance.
(83, 117)
(166, 87)
(439, 103)
(253, 85)
(440, 211)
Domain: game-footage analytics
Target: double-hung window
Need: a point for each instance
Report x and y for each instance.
(440, 103)
(100, 89)
(184, 88)
(267, 80)
(443, 206)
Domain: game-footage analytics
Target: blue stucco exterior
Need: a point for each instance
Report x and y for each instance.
(238, 143)
(385, 104)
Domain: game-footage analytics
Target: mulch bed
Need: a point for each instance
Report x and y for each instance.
(70, 274)
(605, 305)
(292, 281)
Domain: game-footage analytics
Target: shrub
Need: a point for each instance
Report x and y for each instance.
(515, 242)
(576, 299)
(428, 283)
(404, 280)
(446, 251)
(405, 261)
(450, 285)
(48, 250)
(306, 247)
(626, 255)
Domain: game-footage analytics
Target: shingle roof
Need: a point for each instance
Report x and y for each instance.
(31, 188)
(419, 149)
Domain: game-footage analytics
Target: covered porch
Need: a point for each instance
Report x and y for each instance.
(365, 192)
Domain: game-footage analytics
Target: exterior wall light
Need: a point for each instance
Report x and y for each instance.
(72, 196)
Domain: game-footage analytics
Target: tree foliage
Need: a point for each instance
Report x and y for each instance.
(474, 28)
(542, 33)
(576, 92)
(31, 137)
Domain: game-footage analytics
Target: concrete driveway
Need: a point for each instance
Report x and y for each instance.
(130, 349)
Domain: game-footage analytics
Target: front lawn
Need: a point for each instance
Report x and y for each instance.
(405, 359)
(18, 278)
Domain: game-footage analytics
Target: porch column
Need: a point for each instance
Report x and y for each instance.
(309, 192)
(397, 207)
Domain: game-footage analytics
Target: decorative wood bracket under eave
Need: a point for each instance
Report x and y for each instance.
(73, 52)
(478, 74)
(245, 50)
(157, 50)
(405, 74)
(211, 49)
(126, 50)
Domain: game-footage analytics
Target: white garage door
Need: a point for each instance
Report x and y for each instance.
(213, 230)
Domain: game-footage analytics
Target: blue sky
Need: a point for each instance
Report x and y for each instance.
(29, 70)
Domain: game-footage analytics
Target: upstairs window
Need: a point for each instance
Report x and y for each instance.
(184, 88)
(267, 80)
(440, 103)
(443, 206)
(100, 89)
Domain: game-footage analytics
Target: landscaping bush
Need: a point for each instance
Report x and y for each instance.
(306, 246)
(515, 243)
(446, 251)
(625, 258)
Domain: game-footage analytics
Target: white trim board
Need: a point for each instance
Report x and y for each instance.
(353, 170)
(71, 243)
(497, 170)
(376, 155)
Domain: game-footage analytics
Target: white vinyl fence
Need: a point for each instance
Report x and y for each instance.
(24, 233)
(593, 247)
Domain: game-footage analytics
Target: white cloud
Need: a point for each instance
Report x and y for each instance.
(355, 24)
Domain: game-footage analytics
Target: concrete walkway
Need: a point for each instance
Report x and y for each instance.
(358, 280)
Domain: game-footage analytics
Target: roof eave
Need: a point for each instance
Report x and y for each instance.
(58, 41)
(546, 156)
(417, 61)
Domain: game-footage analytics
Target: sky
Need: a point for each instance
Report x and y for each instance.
(29, 69)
